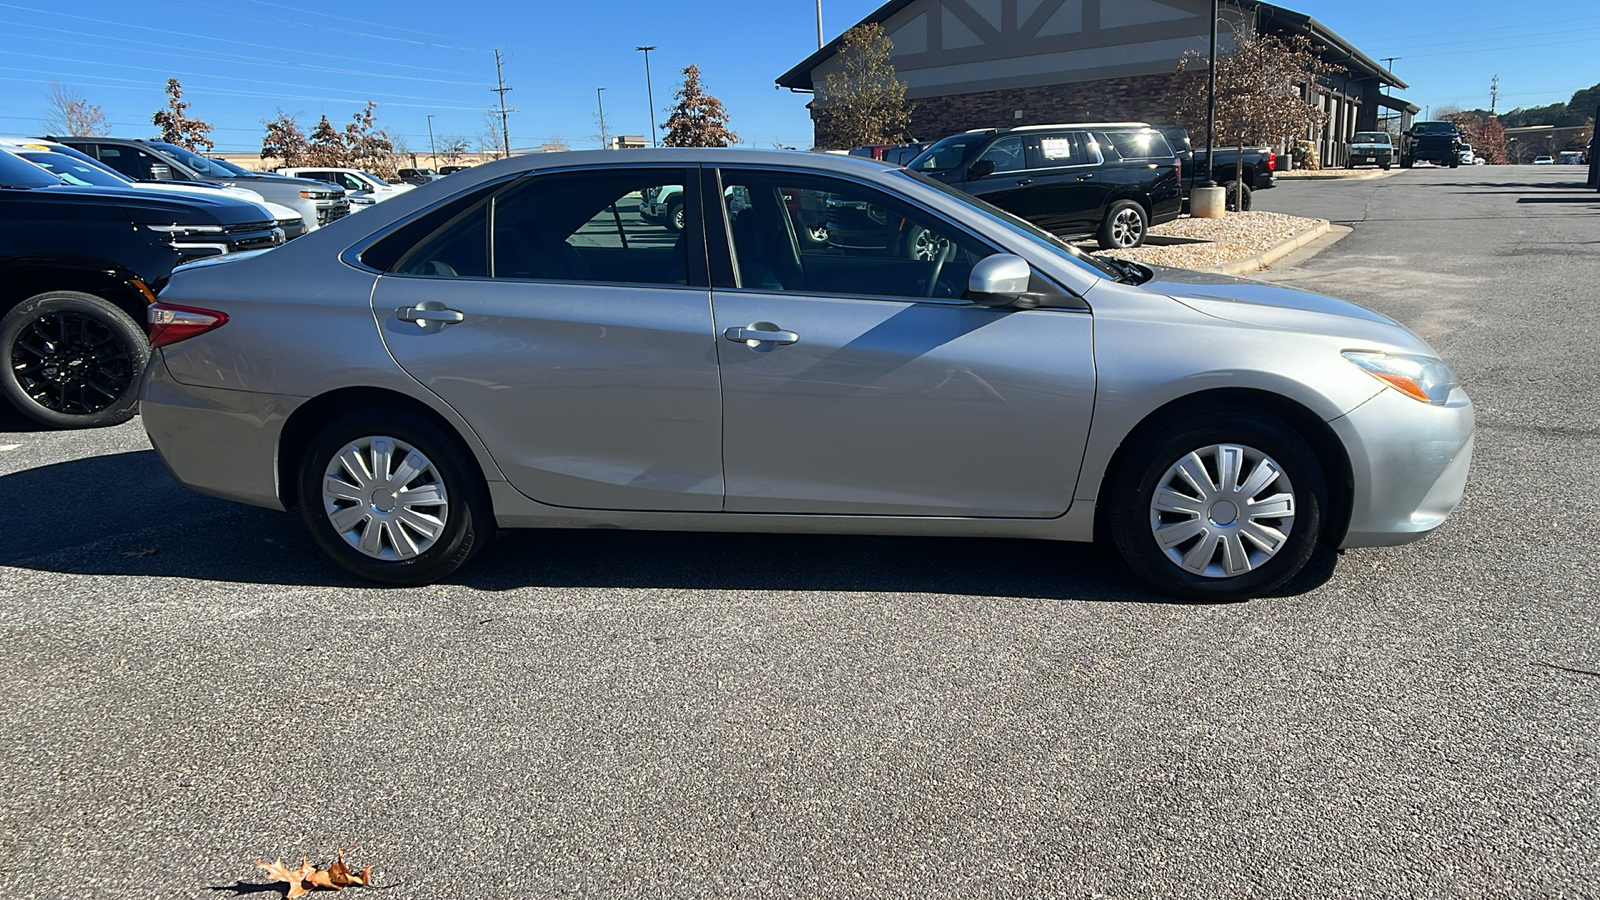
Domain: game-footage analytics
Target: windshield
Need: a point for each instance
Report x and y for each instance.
(232, 167)
(1434, 128)
(16, 172)
(1021, 227)
(375, 178)
(72, 171)
(947, 154)
(210, 168)
(1371, 137)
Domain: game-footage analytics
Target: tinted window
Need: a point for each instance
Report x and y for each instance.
(586, 227)
(947, 154)
(1434, 128)
(1371, 137)
(16, 172)
(132, 162)
(809, 234)
(209, 168)
(74, 171)
(1006, 154)
(388, 251)
(1140, 144)
(459, 250)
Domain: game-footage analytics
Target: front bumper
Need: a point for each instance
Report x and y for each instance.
(1409, 462)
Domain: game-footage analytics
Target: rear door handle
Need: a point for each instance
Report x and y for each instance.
(760, 336)
(1024, 182)
(1085, 177)
(429, 311)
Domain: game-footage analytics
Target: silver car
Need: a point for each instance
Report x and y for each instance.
(515, 347)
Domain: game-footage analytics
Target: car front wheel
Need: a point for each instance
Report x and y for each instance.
(393, 498)
(1124, 227)
(71, 360)
(1218, 506)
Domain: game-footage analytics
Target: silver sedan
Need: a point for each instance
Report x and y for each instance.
(828, 344)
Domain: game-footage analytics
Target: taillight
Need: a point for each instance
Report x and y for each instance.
(171, 323)
(1272, 160)
(1180, 168)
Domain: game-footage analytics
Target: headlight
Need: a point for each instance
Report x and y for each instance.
(1419, 377)
(318, 195)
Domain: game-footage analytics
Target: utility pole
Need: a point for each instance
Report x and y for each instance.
(1388, 89)
(602, 104)
(1211, 100)
(649, 92)
(1494, 94)
(433, 154)
(499, 74)
(819, 24)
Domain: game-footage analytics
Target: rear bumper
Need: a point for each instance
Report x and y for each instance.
(1409, 463)
(217, 442)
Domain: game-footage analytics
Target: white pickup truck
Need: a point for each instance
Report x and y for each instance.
(363, 188)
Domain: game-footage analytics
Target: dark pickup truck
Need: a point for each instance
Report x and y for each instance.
(1435, 142)
(1259, 166)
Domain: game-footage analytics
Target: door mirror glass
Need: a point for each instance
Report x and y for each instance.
(998, 280)
(983, 168)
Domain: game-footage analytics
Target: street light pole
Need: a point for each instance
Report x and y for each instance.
(649, 92)
(1211, 100)
(602, 104)
(433, 154)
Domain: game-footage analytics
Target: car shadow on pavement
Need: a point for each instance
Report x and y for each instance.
(122, 514)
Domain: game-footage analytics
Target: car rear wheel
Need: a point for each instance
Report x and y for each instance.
(72, 360)
(1238, 196)
(393, 498)
(1124, 227)
(1405, 162)
(1218, 506)
(675, 217)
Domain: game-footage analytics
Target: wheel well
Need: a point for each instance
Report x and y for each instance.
(309, 416)
(19, 286)
(1324, 443)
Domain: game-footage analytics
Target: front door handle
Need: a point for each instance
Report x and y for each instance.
(429, 311)
(760, 336)
(1024, 182)
(1085, 177)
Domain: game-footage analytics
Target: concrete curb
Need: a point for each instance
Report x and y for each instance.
(1358, 176)
(1272, 254)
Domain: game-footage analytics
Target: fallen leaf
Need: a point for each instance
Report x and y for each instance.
(148, 551)
(305, 877)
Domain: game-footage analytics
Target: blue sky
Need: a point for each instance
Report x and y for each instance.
(241, 60)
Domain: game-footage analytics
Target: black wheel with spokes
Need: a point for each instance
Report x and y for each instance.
(71, 360)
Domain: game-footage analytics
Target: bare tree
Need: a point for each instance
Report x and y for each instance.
(492, 139)
(862, 101)
(1261, 90)
(453, 146)
(698, 119)
(176, 126)
(285, 141)
(71, 114)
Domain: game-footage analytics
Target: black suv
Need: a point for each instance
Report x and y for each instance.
(1436, 142)
(1112, 181)
(78, 265)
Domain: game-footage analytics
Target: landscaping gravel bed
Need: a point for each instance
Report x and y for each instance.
(1234, 237)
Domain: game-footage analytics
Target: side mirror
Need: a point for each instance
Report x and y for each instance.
(160, 172)
(999, 280)
(983, 168)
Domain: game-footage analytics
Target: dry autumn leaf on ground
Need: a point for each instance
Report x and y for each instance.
(306, 877)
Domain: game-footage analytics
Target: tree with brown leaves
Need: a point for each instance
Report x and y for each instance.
(862, 101)
(71, 113)
(367, 146)
(699, 119)
(176, 126)
(285, 141)
(326, 145)
(1259, 90)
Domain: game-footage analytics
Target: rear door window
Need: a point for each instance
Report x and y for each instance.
(1139, 144)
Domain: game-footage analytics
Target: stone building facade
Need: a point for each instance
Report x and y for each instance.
(1001, 63)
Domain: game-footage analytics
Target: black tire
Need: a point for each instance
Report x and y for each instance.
(1455, 162)
(1405, 162)
(1131, 489)
(675, 217)
(1243, 200)
(1125, 226)
(1384, 166)
(72, 360)
(467, 519)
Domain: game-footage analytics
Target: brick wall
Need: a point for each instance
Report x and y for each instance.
(1145, 98)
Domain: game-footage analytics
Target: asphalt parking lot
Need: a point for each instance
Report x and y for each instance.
(190, 686)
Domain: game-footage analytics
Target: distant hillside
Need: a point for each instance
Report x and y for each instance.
(1577, 111)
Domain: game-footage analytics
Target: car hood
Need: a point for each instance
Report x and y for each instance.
(154, 208)
(1265, 305)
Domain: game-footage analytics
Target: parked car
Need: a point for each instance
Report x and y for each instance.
(417, 177)
(1435, 142)
(899, 154)
(1258, 168)
(663, 205)
(417, 378)
(356, 183)
(77, 168)
(1375, 148)
(451, 170)
(1112, 181)
(317, 202)
(78, 266)
(1570, 158)
(1544, 161)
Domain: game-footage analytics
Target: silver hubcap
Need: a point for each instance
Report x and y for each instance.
(1222, 511)
(1127, 227)
(385, 498)
(926, 246)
